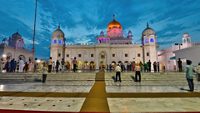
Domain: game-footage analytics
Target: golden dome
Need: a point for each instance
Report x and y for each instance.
(58, 33)
(114, 24)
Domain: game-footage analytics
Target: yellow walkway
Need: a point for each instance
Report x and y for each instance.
(96, 101)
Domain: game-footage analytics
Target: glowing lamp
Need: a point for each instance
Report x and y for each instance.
(4, 55)
(38, 61)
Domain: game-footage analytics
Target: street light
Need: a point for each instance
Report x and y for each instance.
(34, 28)
(4, 55)
(38, 61)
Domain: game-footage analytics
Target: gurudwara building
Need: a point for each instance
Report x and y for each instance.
(14, 48)
(111, 47)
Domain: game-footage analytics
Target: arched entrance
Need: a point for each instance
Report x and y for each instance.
(102, 59)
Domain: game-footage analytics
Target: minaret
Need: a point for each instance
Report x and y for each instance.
(58, 45)
(149, 49)
(186, 41)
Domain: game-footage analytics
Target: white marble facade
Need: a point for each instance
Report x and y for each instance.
(108, 49)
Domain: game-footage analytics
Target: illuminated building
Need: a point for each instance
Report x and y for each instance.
(112, 47)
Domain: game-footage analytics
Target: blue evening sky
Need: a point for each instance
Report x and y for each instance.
(82, 20)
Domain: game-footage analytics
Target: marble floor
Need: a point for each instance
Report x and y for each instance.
(83, 82)
(41, 103)
(154, 104)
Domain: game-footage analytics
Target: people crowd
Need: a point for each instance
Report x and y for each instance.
(20, 65)
(12, 65)
(144, 67)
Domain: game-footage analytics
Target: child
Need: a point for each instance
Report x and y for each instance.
(44, 72)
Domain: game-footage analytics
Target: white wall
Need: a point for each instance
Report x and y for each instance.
(192, 53)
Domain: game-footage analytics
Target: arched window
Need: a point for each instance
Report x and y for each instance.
(152, 40)
(54, 41)
(184, 40)
(188, 40)
(60, 42)
(146, 41)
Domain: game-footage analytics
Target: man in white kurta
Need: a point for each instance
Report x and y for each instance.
(21, 65)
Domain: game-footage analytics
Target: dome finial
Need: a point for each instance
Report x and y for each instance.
(147, 25)
(59, 26)
(113, 16)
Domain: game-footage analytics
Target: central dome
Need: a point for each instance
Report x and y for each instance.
(114, 29)
(114, 24)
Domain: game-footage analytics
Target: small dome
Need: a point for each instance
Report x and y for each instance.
(148, 31)
(101, 33)
(129, 33)
(16, 36)
(58, 33)
(186, 35)
(16, 41)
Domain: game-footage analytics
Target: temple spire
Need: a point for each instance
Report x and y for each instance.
(113, 16)
(147, 25)
(59, 26)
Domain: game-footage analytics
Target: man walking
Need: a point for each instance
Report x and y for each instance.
(74, 64)
(118, 73)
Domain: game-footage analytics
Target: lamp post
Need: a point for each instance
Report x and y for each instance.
(34, 28)
(4, 55)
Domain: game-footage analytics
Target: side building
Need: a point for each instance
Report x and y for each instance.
(14, 48)
(168, 58)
